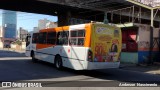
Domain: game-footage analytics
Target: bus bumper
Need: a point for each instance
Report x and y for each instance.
(102, 65)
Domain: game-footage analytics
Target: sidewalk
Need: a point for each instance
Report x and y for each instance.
(152, 69)
(13, 50)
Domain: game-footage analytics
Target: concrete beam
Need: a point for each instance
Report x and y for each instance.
(144, 15)
(63, 18)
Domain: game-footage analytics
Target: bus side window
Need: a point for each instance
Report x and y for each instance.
(42, 38)
(73, 41)
(35, 38)
(81, 36)
(59, 38)
(81, 41)
(65, 37)
(73, 38)
(77, 37)
(81, 33)
(51, 38)
(62, 38)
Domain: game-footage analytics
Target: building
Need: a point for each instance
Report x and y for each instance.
(51, 24)
(9, 25)
(1, 37)
(22, 34)
(35, 29)
(42, 23)
(1, 32)
(136, 43)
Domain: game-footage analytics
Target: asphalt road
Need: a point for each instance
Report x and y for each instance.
(15, 66)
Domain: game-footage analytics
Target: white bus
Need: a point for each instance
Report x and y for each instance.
(79, 47)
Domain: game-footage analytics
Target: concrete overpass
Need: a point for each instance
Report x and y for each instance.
(84, 9)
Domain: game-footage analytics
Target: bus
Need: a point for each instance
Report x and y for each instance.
(80, 47)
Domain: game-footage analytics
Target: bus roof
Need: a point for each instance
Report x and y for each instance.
(66, 28)
(63, 28)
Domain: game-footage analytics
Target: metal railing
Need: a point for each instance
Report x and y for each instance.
(152, 3)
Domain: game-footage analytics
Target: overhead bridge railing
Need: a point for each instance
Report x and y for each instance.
(149, 4)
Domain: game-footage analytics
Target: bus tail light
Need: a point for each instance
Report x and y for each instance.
(90, 55)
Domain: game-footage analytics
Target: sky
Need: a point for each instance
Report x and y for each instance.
(29, 20)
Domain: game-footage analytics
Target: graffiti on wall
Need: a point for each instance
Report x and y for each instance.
(143, 44)
(144, 28)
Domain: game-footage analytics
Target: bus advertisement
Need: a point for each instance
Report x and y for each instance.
(106, 43)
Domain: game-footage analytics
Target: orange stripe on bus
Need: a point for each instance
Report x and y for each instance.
(64, 28)
(41, 46)
(87, 42)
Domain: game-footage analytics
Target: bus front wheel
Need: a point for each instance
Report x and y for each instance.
(58, 62)
(33, 57)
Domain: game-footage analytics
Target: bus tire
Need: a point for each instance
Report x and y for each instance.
(58, 62)
(33, 57)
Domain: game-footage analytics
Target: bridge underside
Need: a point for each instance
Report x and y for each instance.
(83, 9)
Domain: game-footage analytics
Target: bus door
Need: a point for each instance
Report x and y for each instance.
(28, 38)
(78, 51)
(28, 42)
(62, 46)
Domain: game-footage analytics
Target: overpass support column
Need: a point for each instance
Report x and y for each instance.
(63, 18)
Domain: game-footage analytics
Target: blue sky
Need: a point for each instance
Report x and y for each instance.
(29, 20)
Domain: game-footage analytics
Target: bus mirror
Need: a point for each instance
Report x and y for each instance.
(27, 40)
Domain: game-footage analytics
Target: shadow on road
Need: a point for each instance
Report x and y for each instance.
(8, 53)
(22, 68)
(153, 69)
(15, 70)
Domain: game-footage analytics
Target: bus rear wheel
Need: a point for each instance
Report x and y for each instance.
(33, 57)
(58, 62)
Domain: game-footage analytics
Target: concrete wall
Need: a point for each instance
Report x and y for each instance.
(143, 41)
(17, 47)
(129, 57)
(1, 45)
(23, 45)
(13, 46)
